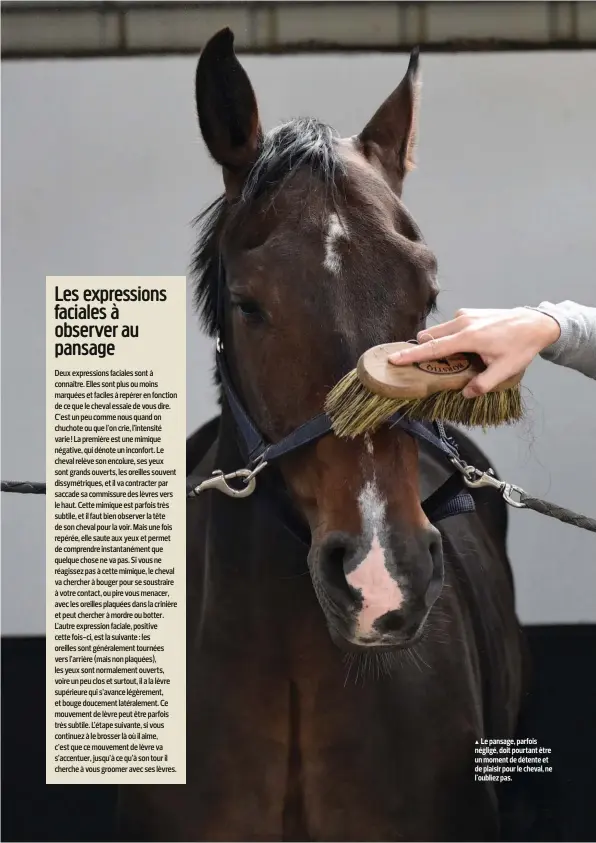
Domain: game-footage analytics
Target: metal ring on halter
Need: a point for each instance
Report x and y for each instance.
(261, 464)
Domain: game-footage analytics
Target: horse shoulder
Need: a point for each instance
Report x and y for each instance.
(475, 546)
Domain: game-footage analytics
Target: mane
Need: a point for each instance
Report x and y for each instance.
(303, 142)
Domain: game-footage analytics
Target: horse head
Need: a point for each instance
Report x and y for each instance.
(319, 259)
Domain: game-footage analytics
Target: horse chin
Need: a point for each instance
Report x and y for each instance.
(376, 644)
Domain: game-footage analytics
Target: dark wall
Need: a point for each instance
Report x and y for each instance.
(561, 713)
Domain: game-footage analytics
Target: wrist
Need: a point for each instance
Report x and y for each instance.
(548, 329)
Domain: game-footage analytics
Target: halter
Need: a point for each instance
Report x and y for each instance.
(451, 498)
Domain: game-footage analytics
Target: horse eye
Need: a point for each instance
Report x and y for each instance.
(249, 309)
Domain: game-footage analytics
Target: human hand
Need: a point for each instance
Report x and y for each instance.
(506, 340)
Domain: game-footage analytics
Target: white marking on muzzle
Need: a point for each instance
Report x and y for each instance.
(336, 230)
(380, 593)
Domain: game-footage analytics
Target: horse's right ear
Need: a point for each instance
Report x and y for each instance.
(227, 110)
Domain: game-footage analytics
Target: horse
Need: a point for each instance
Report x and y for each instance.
(345, 655)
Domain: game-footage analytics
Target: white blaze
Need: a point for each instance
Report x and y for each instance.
(372, 507)
(379, 591)
(336, 230)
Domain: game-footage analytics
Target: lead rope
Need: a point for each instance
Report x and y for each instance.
(558, 512)
(23, 487)
(515, 496)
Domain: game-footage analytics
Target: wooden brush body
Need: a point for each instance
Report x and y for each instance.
(419, 380)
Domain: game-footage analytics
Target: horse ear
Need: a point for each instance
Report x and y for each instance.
(227, 110)
(389, 137)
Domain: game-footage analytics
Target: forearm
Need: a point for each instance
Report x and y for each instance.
(576, 346)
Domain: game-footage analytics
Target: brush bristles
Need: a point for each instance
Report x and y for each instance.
(354, 410)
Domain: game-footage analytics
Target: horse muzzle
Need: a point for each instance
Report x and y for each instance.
(377, 591)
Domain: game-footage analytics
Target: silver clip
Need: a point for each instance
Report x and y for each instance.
(474, 479)
(219, 481)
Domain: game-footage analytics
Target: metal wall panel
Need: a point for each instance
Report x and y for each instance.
(48, 30)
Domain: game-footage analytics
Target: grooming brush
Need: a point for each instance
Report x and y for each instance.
(431, 391)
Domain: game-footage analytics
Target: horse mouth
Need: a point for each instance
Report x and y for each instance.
(381, 644)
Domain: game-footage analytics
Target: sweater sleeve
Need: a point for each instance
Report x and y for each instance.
(576, 346)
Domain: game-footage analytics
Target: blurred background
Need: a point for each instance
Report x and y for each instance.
(103, 171)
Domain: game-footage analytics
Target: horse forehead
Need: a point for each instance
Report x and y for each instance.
(359, 206)
(359, 191)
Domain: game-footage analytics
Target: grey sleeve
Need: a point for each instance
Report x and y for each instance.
(576, 347)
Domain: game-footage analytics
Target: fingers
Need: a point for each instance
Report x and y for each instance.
(444, 329)
(431, 350)
(490, 378)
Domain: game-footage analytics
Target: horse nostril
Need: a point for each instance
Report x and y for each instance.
(332, 558)
(391, 622)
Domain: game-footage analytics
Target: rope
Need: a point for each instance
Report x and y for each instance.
(23, 487)
(537, 504)
(559, 512)
(26, 487)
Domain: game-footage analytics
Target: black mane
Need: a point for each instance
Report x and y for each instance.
(298, 143)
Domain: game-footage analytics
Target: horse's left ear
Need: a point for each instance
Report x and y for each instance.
(389, 137)
(227, 110)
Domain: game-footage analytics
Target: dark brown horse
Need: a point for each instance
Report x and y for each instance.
(336, 685)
